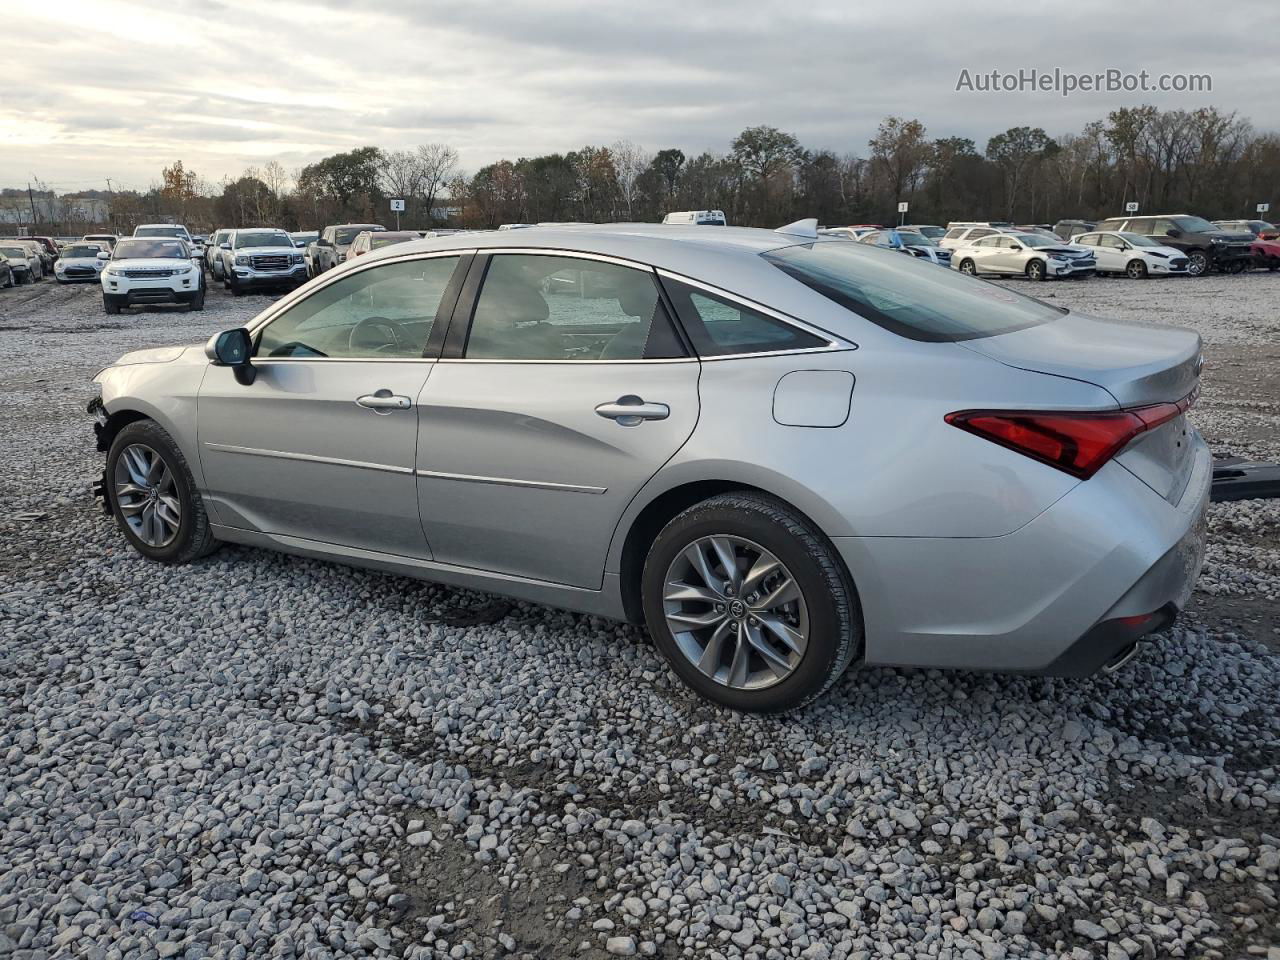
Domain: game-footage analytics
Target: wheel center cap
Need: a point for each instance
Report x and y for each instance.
(737, 609)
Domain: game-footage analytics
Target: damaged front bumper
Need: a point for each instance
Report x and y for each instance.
(99, 487)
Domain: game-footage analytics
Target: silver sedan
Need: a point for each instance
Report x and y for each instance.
(782, 453)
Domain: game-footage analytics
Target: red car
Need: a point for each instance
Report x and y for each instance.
(1266, 253)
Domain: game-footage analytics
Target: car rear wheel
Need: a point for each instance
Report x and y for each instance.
(1035, 270)
(153, 496)
(750, 604)
(1197, 263)
(969, 267)
(1136, 270)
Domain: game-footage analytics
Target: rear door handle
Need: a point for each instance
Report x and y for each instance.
(631, 411)
(384, 401)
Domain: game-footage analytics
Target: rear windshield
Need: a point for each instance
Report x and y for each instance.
(159, 232)
(910, 297)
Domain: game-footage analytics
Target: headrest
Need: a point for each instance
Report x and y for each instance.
(506, 299)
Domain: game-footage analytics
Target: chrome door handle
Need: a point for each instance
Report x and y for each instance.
(384, 401)
(631, 411)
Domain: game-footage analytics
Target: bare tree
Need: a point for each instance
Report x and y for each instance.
(438, 163)
(629, 161)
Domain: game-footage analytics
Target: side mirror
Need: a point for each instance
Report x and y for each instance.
(1173, 233)
(103, 255)
(224, 246)
(232, 348)
(1015, 246)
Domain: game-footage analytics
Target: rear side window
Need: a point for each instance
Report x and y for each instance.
(719, 326)
(911, 298)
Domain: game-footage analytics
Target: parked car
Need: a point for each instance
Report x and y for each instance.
(1068, 229)
(968, 233)
(50, 247)
(332, 246)
(43, 262)
(1134, 255)
(1047, 513)
(213, 252)
(930, 230)
(301, 238)
(905, 241)
(151, 270)
(1204, 245)
(78, 262)
(108, 238)
(23, 261)
(7, 278)
(847, 233)
(368, 240)
(1259, 228)
(698, 218)
(1266, 253)
(1032, 255)
(163, 230)
(258, 257)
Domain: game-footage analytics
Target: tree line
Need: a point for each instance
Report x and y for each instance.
(1204, 161)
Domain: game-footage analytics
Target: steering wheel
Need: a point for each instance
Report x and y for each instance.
(394, 329)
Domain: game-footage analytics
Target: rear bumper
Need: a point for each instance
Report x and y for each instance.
(1037, 600)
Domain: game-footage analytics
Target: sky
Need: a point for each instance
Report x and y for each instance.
(107, 89)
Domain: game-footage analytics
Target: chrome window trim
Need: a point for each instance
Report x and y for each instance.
(306, 291)
(307, 458)
(512, 482)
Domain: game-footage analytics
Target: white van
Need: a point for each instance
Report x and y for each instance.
(701, 218)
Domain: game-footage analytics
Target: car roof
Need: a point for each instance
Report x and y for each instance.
(725, 256)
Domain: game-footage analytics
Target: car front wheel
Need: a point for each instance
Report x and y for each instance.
(1136, 270)
(1036, 270)
(153, 496)
(1197, 263)
(750, 604)
(969, 267)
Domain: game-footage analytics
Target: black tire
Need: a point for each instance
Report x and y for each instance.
(198, 302)
(110, 307)
(969, 267)
(1135, 270)
(834, 614)
(1197, 263)
(193, 539)
(233, 286)
(1036, 270)
(1237, 266)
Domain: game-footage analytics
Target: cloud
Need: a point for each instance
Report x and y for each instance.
(229, 83)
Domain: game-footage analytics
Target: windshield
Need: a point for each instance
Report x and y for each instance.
(159, 232)
(1037, 240)
(345, 235)
(907, 296)
(1193, 224)
(377, 241)
(85, 251)
(1138, 240)
(137, 249)
(267, 238)
(916, 239)
(931, 232)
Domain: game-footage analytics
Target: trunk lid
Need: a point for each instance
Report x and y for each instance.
(1137, 364)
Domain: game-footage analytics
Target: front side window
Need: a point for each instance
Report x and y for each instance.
(1193, 224)
(1114, 242)
(719, 326)
(534, 307)
(1087, 240)
(907, 297)
(386, 312)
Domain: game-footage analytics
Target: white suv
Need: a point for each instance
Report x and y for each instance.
(151, 270)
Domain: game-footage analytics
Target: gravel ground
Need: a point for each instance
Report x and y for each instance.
(263, 756)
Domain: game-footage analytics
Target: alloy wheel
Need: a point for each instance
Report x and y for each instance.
(736, 612)
(1198, 264)
(146, 496)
